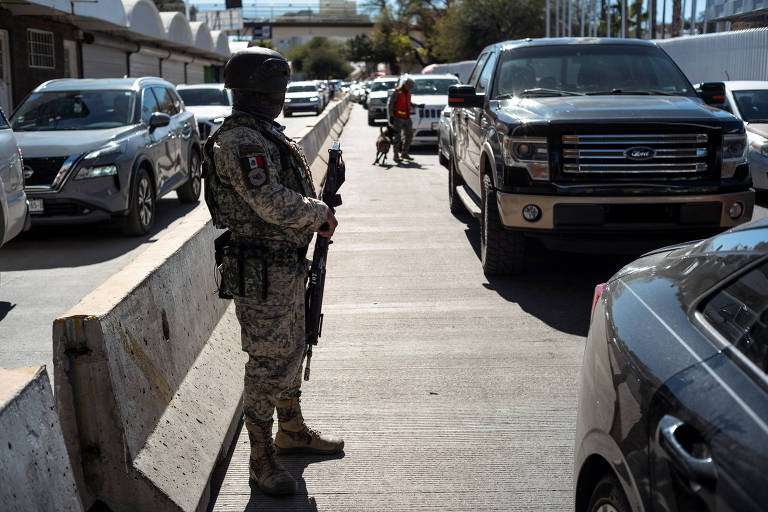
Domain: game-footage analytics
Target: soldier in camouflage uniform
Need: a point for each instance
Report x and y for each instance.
(259, 187)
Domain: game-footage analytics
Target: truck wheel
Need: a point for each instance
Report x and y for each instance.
(371, 121)
(141, 215)
(454, 180)
(190, 191)
(502, 252)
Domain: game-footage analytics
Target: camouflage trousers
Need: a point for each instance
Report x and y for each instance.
(403, 130)
(273, 336)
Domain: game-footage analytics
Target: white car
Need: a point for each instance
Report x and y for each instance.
(303, 97)
(14, 209)
(444, 137)
(748, 100)
(210, 103)
(377, 98)
(432, 92)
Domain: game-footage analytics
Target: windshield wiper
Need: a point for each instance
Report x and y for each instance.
(537, 91)
(631, 92)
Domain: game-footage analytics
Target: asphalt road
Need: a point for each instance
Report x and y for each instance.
(47, 270)
(452, 391)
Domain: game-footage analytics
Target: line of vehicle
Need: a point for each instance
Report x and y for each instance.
(698, 358)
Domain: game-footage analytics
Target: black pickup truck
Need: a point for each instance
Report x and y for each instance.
(591, 144)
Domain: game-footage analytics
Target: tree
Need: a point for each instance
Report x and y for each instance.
(677, 10)
(470, 25)
(319, 58)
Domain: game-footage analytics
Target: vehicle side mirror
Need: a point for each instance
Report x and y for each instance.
(158, 119)
(713, 93)
(464, 96)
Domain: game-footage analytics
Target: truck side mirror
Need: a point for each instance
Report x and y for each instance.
(464, 96)
(713, 93)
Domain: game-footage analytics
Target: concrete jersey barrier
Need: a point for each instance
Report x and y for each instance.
(36, 473)
(149, 369)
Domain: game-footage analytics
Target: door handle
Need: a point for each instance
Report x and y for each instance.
(677, 439)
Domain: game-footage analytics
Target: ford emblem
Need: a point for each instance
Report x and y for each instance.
(639, 153)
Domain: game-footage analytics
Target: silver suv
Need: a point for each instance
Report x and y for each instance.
(14, 213)
(100, 149)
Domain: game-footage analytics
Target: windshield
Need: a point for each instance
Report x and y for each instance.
(433, 85)
(75, 110)
(383, 86)
(301, 88)
(589, 69)
(204, 97)
(753, 105)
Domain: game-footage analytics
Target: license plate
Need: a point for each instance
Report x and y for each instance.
(435, 126)
(36, 206)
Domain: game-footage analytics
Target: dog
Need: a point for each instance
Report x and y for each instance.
(383, 143)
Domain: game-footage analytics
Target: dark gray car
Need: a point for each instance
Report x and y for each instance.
(99, 149)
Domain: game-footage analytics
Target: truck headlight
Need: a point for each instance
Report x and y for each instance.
(96, 172)
(531, 153)
(734, 153)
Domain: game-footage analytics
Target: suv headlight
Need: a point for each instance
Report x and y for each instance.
(760, 145)
(96, 172)
(734, 153)
(531, 153)
(314, 98)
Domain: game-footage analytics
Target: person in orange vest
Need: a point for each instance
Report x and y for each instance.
(399, 112)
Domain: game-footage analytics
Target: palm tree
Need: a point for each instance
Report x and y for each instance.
(677, 8)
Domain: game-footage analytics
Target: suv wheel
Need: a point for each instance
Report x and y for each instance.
(608, 496)
(454, 180)
(371, 121)
(502, 252)
(190, 191)
(141, 215)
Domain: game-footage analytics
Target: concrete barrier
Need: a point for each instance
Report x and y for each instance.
(36, 473)
(149, 369)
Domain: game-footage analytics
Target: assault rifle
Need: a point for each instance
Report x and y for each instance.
(313, 297)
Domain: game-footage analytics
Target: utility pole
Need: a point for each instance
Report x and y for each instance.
(570, 16)
(663, 18)
(548, 13)
(693, 17)
(608, 22)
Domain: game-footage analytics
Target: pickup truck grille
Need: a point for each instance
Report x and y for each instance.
(661, 155)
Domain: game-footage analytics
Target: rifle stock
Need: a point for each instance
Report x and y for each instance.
(313, 297)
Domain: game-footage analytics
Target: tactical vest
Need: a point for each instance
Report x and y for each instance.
(241, 254)
(228, 209)
(402, 104)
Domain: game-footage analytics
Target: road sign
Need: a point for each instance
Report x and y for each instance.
(231, 19)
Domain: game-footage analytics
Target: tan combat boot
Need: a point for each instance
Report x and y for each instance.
(265, 471)
(293, 435)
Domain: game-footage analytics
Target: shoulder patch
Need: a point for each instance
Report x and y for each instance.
(254, 168)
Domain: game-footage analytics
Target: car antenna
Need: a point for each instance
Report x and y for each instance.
(727, 75)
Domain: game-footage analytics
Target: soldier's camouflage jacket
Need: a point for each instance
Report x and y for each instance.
(264, 196)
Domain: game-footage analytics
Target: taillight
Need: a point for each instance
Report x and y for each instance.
(599, 289)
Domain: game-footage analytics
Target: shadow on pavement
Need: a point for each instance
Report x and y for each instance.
(45, 247)
(556, 287)
(5, 308)
(295, 464)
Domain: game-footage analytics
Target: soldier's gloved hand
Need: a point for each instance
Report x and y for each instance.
(329, 227)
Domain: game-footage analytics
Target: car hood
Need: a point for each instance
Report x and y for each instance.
(758, 128)
(302, 95)
(68, 142)
(613, 108)
(208, 112)
(378, 94)
(430, 99)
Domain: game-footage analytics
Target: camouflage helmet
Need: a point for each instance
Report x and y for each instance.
(257, 69)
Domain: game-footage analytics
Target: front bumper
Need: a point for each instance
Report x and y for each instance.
(81, 201)
(625, 214)
(377, 111)
(301, 107)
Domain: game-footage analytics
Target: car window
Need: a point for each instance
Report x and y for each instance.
(383, 85)
(75, 110)
(165, 100)
(740, 313)
(177, 103)
(753, 105)
(478, 67)
(433, 85)
(204, 97)
(301, 88)
(148, 105)
(485, 76)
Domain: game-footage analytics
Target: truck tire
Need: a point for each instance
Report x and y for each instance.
(189, 192)
(454, 180)
(371, 121)
(502, 252)
(141, 214)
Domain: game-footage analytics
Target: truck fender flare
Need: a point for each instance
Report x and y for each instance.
(487, 160)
